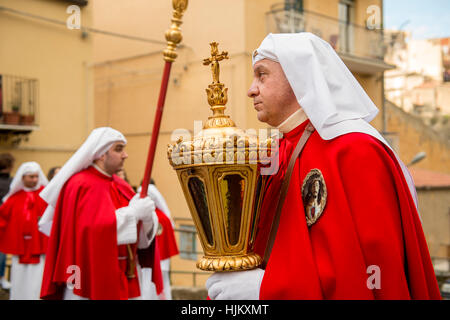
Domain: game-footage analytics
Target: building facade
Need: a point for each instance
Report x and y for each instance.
(420, 83)
(45, 77)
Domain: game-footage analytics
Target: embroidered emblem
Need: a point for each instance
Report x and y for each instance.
(314, 196)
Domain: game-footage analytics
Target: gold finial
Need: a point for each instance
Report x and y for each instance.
(216, 91)
(173, 35)
(214, 61)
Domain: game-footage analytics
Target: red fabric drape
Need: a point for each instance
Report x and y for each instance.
(19, 234)
(369, 220)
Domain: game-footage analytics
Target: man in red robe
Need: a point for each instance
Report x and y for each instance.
(349, 226)
(19, 234)
(101, 232)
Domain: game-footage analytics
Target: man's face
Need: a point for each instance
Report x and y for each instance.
(115, 158)
(30, 180)
(315, 188)
(272, 94)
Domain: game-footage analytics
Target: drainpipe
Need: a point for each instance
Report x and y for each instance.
(383, 97)
(383, 104)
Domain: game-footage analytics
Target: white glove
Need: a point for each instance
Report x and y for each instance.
(236, 285)
(143, 208)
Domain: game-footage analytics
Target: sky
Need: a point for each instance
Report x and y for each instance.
(424, 18)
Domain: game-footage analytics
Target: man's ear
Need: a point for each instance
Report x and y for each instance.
(101, 159)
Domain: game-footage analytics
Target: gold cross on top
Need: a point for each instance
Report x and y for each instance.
(214, 61)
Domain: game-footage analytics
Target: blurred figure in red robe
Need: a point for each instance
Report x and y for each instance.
(19, 235)
(52, 172)
(101, 232)
(6, 165)
(349, 226)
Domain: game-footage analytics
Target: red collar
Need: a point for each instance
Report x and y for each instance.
(296, 131)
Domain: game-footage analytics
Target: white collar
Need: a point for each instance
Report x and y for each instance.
(293, 121)
(100, 170)
(31, 189)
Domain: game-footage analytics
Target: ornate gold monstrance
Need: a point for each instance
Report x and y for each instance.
(219, 171)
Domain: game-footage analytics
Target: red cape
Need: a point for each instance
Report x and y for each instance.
(19, 234)
(84, 234)
(166, 237)
(369, 220)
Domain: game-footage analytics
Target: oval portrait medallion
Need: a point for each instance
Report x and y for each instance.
(160, 229)
(314, 196)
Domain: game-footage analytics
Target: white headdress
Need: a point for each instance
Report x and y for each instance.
(98, 142)
(327, 91)
(159, 200)
(17, 183)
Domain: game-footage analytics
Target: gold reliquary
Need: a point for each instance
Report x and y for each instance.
(220, 174)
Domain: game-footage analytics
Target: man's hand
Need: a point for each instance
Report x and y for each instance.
(238, 285)
(143, 208)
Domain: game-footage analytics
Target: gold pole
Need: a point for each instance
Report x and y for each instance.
(173, 35)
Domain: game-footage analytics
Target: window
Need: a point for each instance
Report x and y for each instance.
(296, 5)
(289, 16)
(188, 242)
(18, 100)
(346, 19)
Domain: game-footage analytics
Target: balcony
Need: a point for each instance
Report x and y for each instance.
(361, 49)
(18, 105)
(77, 2)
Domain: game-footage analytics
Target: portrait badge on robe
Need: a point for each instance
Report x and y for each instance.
(160, 229)
(314, 196)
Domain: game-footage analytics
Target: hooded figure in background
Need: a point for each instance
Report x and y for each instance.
(349, 226)
(101, 233)
(19, 234)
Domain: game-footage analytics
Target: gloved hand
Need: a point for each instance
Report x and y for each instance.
(237, 285)
(143, 208)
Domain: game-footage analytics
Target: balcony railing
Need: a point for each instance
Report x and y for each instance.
(344, 37)
(18, 102)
